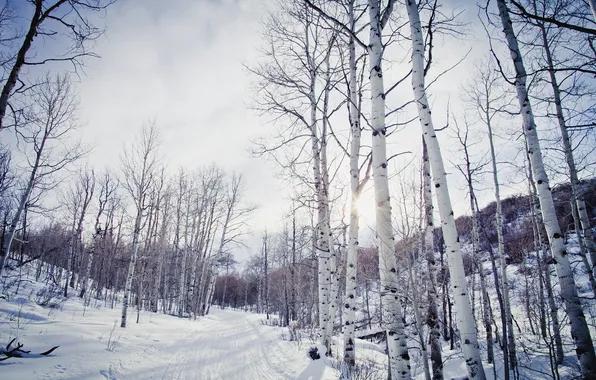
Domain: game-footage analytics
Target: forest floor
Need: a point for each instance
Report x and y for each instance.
(226, 344)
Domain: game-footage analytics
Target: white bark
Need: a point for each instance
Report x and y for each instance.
(433, 314)
(322, 228)
(593, 8)
(352, 256)
(131, 266)
(543, 266)
(399, 359)
(586, 228)
(97, 233)
(419, 323)
(476, 252)
(508, 335)
(579, 328)
(333, 297)
(138, 179)
(465, 317)
(187, 249)
(210, 291)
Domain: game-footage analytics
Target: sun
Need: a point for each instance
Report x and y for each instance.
(366, 207)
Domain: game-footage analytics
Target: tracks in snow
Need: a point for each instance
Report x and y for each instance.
(233, 345)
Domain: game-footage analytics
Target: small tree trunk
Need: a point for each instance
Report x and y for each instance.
(432, 317)
(352, 256)
(508, 335)
(131, 267)
(582, 245)
(418, 321)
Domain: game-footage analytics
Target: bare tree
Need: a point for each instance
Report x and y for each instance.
(107, 189)
(469, 171)
(77, 199)
(294, 85)
(139, 168)
(49, 19)
(579, 328)
(465, 317)
(50, 123)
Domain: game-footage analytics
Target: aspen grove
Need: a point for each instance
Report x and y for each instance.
(328, 189)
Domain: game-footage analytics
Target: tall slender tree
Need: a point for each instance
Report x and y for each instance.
(139, 167)
(465, 317)
(579, 328)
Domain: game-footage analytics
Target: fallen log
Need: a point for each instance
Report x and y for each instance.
(17, 351)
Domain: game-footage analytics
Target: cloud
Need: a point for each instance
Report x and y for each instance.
(179, 63)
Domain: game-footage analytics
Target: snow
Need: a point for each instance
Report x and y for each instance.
(226, 344)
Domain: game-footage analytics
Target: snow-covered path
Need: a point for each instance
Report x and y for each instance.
(226, 344)
(234, 345)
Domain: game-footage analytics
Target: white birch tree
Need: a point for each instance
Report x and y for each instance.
(432, 319)
(356, 186)
(465, 317)
(292, 85)
(579, 328)
(399, 359)
(139, 167)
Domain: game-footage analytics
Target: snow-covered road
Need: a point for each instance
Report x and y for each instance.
(233, 345)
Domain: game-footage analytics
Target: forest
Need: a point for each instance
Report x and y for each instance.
(460, 238)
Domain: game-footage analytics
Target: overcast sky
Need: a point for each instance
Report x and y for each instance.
(180, 63)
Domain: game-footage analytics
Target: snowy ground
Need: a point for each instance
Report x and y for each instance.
(227, 344)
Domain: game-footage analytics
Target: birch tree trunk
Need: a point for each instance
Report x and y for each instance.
(576, 190)
(399, 359)
(418, 320)
(131, 266)
(543, 265)
(138, 166)
(433, 315)
(210, 292)
(333, 295)
(582, 245)
(322, 227)
(487, 321)
(352, 256)
(187, 249)
(579, 328)
(105, 194)
(508, 335)
(86, 186)
(161, 251)
(465, 317)
(71, 248)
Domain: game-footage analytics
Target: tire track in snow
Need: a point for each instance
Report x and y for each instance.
(231, 347)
